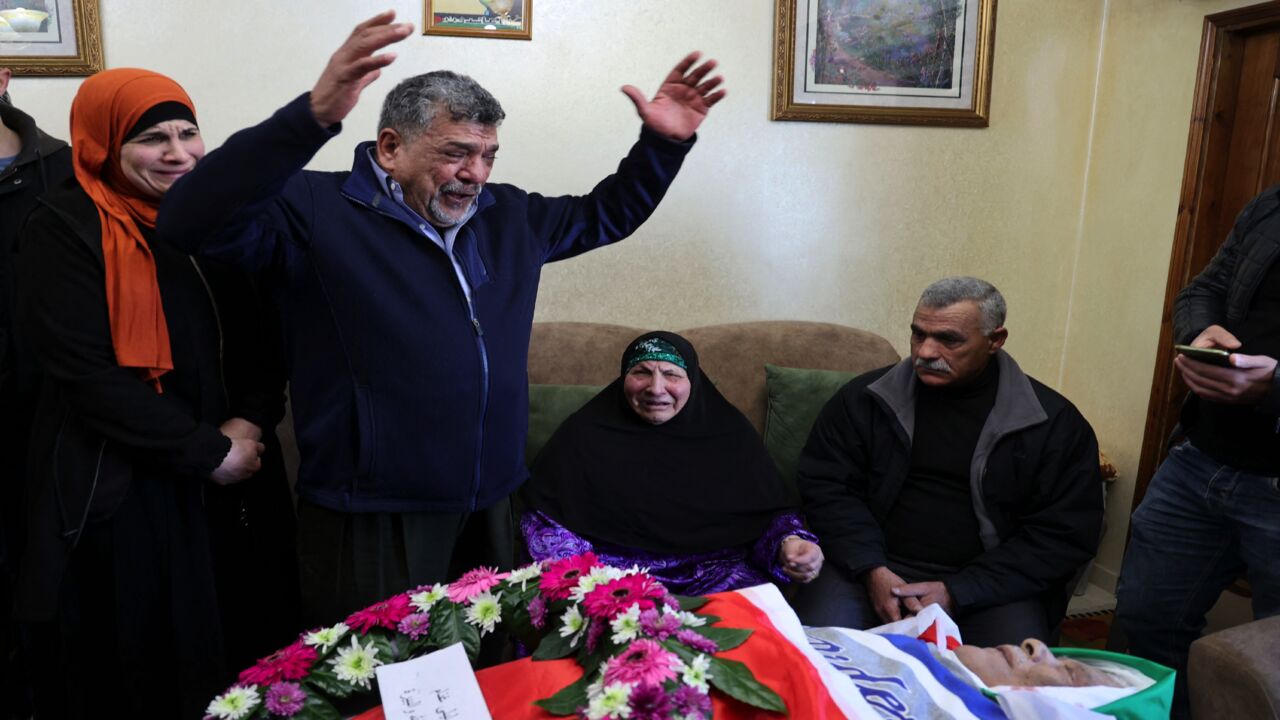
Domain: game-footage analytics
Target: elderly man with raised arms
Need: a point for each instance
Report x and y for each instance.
(951, 477)
(407, 287)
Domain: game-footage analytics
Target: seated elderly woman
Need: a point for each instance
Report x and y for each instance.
(660, 470)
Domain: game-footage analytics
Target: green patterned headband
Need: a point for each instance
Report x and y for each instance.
(653, 349)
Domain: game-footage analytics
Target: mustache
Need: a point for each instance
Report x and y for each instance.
(461, 188)
(939, 365)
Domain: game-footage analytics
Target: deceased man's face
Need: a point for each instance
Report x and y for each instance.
(1031, 663)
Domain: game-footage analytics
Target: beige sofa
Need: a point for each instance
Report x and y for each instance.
(1235, 673)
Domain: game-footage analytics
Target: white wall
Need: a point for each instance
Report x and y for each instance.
(785, 220)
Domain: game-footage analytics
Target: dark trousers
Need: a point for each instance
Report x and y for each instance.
(836, 599)
(349, 561)
(1200, 526)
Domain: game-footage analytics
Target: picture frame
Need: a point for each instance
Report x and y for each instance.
(51, 37)
(907, 62)
(503, 19)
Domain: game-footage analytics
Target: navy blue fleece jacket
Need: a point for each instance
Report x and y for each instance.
(404, 398)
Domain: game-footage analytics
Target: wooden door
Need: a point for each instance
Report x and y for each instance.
(1233, 153)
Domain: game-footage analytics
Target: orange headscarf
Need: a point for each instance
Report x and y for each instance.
(106, 107)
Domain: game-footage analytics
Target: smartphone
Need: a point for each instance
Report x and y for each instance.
(1213, 356)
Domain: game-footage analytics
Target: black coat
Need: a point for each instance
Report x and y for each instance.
(1222, 293)
(1039, 483)
(42, 163)
(118, 489)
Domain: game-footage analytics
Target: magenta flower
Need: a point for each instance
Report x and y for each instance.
(561, 576)
(291, 663)
(538, 612)
(474, 582)
(659, 625)
(692, 703)
(643, 662)
(697, 641)
(650, 702)
(612, 598)
(415, 625)
(286, 699)
(386, 614)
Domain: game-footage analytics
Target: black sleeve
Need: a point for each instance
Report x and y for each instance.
(253, 357)
(1058, 530)
(63, 317)
(833, 476)
(1203, 302)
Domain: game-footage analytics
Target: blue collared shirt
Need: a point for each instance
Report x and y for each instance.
(445, 241)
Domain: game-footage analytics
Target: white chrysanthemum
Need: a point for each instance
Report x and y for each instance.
(599, 575)
(689, 619)
(525, 574)
(325, 638)
(611, 702)
(695, 674)
(484, 611)
(355, 663)
(572, 624)
(424, 600)
(237, 702)
(626, 627)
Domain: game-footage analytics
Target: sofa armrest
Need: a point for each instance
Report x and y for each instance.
(1233, 673)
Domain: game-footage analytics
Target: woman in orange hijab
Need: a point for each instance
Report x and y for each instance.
(160, 376)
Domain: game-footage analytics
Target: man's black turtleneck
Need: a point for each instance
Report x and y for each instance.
(933, 518)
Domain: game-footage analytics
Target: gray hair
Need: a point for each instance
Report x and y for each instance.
(949, 291)
(411, 106)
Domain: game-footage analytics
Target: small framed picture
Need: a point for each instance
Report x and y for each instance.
(911, 62)
(508, 19)
(50, 37)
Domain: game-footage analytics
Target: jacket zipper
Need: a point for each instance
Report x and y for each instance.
(481, 349)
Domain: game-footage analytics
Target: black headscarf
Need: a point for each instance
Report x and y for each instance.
(701, 481)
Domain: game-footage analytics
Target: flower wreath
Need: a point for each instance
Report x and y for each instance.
(645, 653)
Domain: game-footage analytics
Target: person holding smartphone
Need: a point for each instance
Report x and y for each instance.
(1212, 512)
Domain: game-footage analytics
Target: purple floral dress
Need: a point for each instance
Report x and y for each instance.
(696, 574)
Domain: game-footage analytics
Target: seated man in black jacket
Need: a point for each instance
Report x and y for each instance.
(951, 477)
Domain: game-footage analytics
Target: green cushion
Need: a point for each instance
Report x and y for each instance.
(796, 396)
(549, 406)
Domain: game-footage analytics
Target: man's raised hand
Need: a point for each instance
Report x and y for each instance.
(682, 101)
(354, 65)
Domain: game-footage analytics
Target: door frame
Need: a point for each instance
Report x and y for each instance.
(1199, 206)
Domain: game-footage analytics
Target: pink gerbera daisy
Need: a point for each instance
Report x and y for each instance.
(290, 663)
(474, 582)
(561, 576)
(610, 599)
(643, 662)
(386, 614)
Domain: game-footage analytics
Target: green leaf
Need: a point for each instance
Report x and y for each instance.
(448, 626)
(328, 683)
(724, 638)
(553, 647)
(568, 700)
(317, 708)
(690, 603)
(735, 680)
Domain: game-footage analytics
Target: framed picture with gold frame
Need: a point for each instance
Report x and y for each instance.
(911, 62)
(507, 19)
(50, 37)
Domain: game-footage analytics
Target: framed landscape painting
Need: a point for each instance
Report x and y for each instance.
(915, 62)
(50, 37)
(509, 19)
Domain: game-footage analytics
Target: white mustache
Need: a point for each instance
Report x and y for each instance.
(935, 365)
